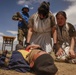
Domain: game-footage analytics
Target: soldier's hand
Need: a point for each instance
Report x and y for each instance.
(26, 45)
(20, 19)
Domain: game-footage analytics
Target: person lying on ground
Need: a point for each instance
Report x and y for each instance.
(33, 59)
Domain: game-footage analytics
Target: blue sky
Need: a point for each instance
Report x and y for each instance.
(10, 7)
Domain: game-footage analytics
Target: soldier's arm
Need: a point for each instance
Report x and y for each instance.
(15, 17)
(72, 45)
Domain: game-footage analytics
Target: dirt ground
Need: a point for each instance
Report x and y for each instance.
(63, 69)
(66, 68)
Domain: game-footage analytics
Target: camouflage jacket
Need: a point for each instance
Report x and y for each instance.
(68, 31)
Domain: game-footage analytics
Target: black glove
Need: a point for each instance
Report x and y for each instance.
(55, 48)
(26, 44)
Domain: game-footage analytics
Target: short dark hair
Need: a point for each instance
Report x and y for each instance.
(42, 11)
(44, 8)
(62, 13)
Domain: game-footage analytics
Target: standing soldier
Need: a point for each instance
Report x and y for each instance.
(22, 19)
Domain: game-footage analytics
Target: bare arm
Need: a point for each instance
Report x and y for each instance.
(54, 35)
(54, 31)
(29, 35)
(71, 51)
(58, 49)
(72, 43)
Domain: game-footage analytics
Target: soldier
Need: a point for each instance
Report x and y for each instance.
(40, 26)
(22, 19)
(65, 46)
(33, 59)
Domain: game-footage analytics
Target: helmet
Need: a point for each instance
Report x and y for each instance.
(25, 6)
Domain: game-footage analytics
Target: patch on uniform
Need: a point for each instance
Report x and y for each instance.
(24, 53)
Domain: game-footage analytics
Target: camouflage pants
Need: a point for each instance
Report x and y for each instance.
(22, 33)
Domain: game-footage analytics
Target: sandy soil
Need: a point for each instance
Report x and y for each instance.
(63, 69)
(66, 69)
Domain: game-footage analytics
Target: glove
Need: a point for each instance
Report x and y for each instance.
(26, 44)
(55, 48)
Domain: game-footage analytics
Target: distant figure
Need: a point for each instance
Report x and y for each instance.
(2, 58)
(41, 27)
(22, 19)
(19, 46)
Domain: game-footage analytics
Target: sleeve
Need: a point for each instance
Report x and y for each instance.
(71, 30)
(52, 18)
(15, 17)
(53, 24)
(75, 33)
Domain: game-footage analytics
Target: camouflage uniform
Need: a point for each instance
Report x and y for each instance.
(22, 29)
(40, 66)
(68, 31)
